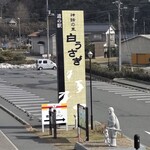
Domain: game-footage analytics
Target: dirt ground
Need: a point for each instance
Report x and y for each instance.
(66, 139)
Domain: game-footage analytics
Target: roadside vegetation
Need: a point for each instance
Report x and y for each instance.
(111, 72)
(14, 57)
(98, 70)
(66, 139)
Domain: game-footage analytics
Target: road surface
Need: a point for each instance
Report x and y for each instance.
(14, 136)
(131, 105)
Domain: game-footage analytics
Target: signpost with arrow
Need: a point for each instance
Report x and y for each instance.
(61, 113)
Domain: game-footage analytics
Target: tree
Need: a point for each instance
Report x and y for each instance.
(89, 47)
(22, 12)
(2, 4)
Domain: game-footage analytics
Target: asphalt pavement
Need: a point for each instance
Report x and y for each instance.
(14, 136)
(25, 120)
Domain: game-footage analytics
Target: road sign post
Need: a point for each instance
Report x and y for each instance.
(61, 114)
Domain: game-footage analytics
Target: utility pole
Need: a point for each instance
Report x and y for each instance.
(19, 26)
(118, 3)
(136, 9)
(109, 41)
(47, 13)
(144, 26)
(1, 11)
(119, 32)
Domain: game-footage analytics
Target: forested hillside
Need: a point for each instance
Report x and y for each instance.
(32, 13)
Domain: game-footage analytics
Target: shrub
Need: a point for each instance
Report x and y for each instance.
(11, 57)
(2, 59)
(8, 55)
(19, 57)
(111, 73)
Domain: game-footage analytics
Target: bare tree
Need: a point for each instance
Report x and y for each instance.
(22, 12)
(2, 4)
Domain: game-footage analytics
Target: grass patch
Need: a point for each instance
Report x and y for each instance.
(66, 139)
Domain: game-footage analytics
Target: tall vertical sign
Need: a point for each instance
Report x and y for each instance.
(71, 60)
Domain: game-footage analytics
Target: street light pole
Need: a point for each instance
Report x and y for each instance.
(19, 31)
(90, 55)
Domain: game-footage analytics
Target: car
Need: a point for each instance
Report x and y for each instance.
(45, 64)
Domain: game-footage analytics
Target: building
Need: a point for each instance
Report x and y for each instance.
(38, 41)
(10, 21)
(136, 50)
(96, 33)
(110, 45)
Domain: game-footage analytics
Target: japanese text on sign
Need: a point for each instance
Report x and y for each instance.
(71, 37)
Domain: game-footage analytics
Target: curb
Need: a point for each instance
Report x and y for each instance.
(79, 146)
(123, 81)
(15, 116)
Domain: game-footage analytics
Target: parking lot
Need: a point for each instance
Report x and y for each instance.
(29, 88)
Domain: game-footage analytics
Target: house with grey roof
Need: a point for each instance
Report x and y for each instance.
(38, 41)
(97, 33)
(10, 21)
(136, 50)
(94, 32)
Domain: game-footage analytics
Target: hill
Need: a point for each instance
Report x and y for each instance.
(32, 14)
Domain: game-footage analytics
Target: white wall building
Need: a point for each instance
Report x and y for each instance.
(136, 46)
(110, 41)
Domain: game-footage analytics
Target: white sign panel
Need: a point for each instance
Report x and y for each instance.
(61, 113)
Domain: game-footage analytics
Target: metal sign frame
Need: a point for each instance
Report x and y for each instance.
(83, 121)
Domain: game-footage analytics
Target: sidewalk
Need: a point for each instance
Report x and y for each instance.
(137, 84)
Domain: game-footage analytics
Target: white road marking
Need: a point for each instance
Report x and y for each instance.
(2, 88)
(28, 108)
(37, 114)
(128, 92)
(27, 99)
(18, 94)
(147, 132)
(108, 87)
(23, 105)
(10, 90)
(113, 91)
(136, 94)
(31, 102)
(147, 102)
(8, 140)
(19, 97)
(23, 98)
(139, 96)
(143, 99)
(31, 111)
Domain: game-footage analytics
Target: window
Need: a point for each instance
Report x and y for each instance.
(44, 61)
(97, 36)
